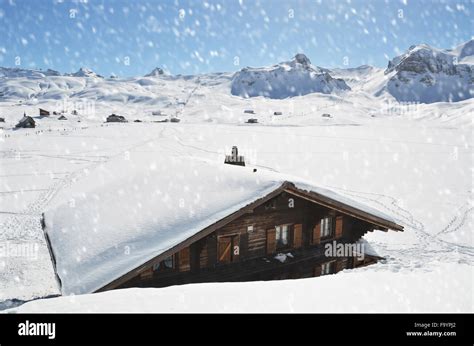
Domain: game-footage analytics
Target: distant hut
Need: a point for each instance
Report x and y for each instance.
(137, 121)
(252, 121)
(326, 115)
(114, 118)
(44, 113)
(26, 122)
(235, 158)
(277, 113)
(175, 120)
(62, 117)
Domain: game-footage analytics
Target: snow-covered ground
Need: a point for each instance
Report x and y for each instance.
(417, 170)
(410, 161)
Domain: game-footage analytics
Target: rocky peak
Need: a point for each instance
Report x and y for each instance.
(302, 59)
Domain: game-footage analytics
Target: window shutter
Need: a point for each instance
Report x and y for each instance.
(339, 265)
(271, 241)
(184, 260)
(317, 233)
(317, 270)
(297, 235)
(224, 249)
(339, 224)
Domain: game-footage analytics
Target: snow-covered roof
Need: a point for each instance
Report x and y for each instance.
(125, 212)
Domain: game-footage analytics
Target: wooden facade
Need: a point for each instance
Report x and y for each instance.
(281, 236)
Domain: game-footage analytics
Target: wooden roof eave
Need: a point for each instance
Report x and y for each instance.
(344, 208)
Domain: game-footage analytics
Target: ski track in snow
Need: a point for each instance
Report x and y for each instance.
(426, 239)
(25, 226)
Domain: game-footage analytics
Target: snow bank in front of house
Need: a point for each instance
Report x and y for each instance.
(361, 290)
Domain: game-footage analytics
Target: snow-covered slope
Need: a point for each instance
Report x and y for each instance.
(7, 72)
(293, 78)
(356, 76)
(426, 74)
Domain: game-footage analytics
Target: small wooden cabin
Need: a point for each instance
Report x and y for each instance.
(44, 112)
(26, 122)
(114, 118)
(280, 236)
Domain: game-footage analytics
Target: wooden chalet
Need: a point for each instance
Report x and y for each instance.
(114, 118)
(44, 112)
(252, 226)
(248, 245)
(26, 122)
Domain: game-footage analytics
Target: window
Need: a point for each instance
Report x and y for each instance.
(327, 268)
(166, 264)
(326, 227)
(281, 236)
(270, 205)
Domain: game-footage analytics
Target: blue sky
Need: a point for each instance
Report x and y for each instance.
(130, 38)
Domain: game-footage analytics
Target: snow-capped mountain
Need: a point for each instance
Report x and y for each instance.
(157, 71)
(293, 78)
(423, 74)
(8, 72)
(85, 72)
(426, 74)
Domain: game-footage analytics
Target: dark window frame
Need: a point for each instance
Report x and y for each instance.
(331, 223)
(162, 267)
(279, 244)
(331, 268)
